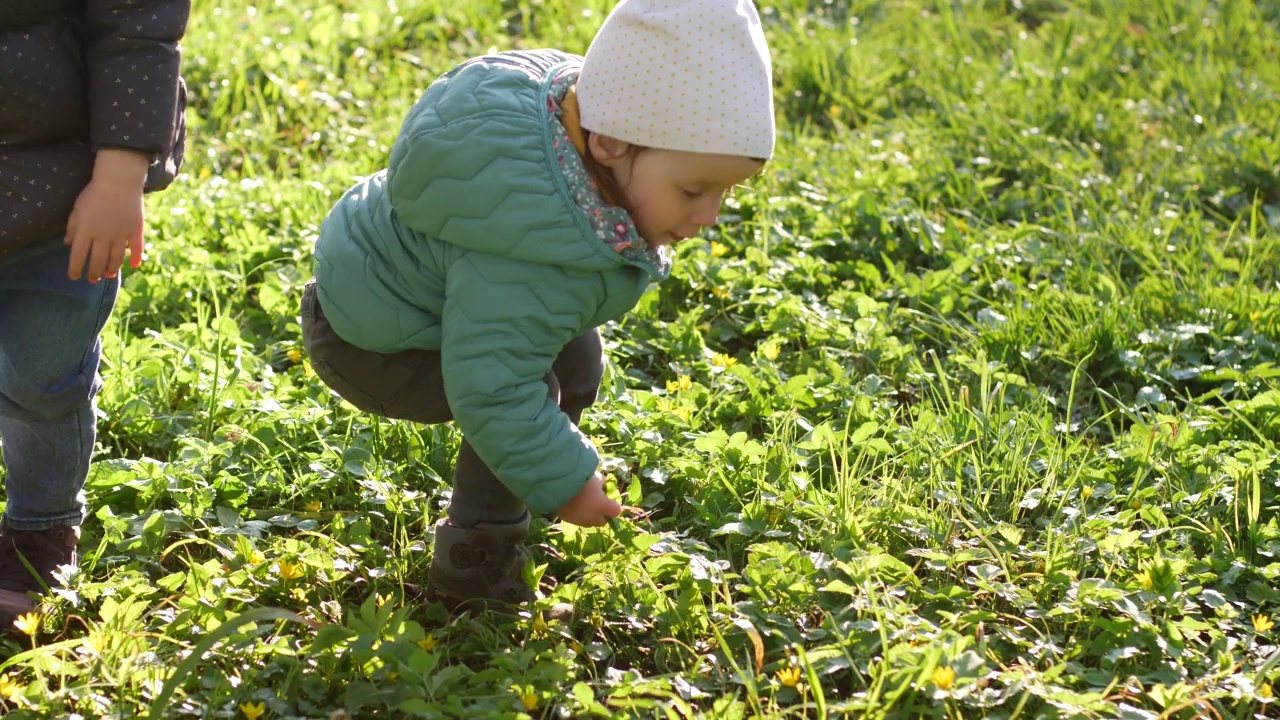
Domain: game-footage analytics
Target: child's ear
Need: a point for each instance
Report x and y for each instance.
(607, 150)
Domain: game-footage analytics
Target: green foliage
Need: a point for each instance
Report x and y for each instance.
(968, 408)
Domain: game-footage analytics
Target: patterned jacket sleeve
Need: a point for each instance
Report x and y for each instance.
(134, 64)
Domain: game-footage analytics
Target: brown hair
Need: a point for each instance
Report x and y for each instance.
(608, 185)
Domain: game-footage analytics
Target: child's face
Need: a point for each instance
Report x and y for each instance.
(674, 194)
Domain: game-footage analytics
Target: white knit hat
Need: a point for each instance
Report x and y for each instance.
(690, 75)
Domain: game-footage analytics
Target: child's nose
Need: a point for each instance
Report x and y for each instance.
(707, 213)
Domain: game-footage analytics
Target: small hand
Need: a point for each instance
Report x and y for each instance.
(108, 217)
(591, 507)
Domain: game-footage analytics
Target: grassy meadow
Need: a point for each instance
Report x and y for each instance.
(969, 408)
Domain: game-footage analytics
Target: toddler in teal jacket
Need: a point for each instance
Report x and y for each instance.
(531, 197)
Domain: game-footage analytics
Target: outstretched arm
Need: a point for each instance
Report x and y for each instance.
(133, 65)
(504, 323)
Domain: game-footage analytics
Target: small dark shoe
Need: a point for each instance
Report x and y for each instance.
(28, 559)
(480, 568)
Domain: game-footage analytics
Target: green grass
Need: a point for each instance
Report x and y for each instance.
(996, 436)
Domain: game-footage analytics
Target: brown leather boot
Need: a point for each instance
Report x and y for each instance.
(43, 551)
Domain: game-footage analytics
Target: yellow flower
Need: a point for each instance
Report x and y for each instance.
(724, 361)
(289, 570)
(528, 697)
(1262, 623)
(295, 355)
(539, 625)
(379, 599)
(770, 350)
(307, 371)
(9, 688)
(1255, 315)
(682, 382)
(720, 293)
(92, 644)
(667, 406)
(313, 506)
(943, 677)
(29, 623)
(788, 676)
(1086, 492)
(429, 642)
(1144, 579)
(253, 711)
(1265, 692)
(719, 249)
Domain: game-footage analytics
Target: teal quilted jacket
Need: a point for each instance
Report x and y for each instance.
(470, 243)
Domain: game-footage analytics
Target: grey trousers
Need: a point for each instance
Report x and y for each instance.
(409, 385)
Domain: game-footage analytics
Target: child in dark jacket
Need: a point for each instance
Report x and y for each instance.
(531, 197)
(91, 118)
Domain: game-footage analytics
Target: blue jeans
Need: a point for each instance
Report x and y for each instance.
(49, 351)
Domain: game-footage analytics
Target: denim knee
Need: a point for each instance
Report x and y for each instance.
(49, 335)
(25, 393)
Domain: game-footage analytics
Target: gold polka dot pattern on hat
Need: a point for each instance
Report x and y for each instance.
(692, 75)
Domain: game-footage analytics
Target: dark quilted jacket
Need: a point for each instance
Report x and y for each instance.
(77, 76)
